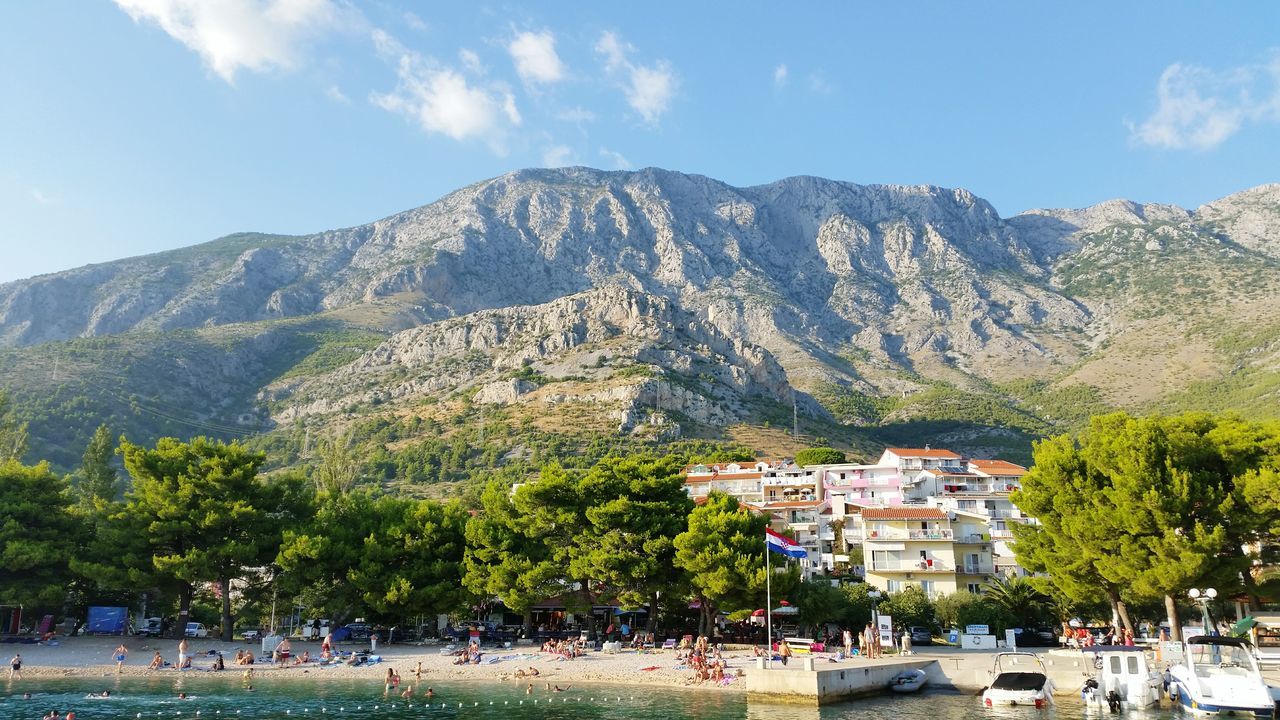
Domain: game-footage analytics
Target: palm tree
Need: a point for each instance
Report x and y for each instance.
(1019, 598)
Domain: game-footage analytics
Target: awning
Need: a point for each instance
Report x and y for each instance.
(1243, 625)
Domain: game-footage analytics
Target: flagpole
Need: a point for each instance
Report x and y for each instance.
(768, 600)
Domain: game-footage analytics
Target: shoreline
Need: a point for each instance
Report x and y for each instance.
(89, 658)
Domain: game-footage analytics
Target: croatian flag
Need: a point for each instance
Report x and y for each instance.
(783, 545)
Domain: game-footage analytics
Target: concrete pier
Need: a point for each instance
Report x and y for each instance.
(815, 681)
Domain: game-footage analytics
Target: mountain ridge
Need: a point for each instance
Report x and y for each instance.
(879, 303)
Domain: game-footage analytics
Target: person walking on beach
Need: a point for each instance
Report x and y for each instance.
(784, 649)
(848, 642)
(183, 647)
(15, 667)
(120, 654)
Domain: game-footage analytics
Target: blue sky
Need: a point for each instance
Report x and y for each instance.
(134, 126)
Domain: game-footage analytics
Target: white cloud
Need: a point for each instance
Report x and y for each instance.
(471, 61)
(234, 35)
(818, 84)
(334, 93)
(40, 197)
(535, 58)
(619, 162)
(414, 22)
(1198, 108)
(440, 99)
(557, 156)
(576, 115)
(649, 88)
(780, 75)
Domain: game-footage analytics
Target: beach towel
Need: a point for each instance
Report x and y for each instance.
(651, 667)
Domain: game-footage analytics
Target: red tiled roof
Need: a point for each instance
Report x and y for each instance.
(923, 453)
(998, 467)
(903, 513)
(725, 476)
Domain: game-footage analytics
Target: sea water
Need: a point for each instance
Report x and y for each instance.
(156, 698)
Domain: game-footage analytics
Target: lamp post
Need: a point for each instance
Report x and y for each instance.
(1203, 598)
(875, 617)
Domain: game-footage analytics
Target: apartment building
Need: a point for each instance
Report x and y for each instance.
(937, 550)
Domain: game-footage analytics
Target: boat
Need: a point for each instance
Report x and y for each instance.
(1015, 683)
(1125, 681)
(908, 681)
(1219, 675)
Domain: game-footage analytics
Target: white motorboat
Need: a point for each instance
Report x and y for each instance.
(1124, 681)
(1219, 675)
(908, 681)
(1018, 679)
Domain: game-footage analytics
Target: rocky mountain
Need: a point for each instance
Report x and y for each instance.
(656, 303)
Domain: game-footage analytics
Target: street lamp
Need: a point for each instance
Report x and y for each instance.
(875, 617)
(1203, 598)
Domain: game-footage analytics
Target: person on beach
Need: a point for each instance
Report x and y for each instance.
(121, 653)
(784, 650)
(417, 671)
(218, 664)
(282, 651)
(848, 642)
(157, 662)
(15, 667)
(183, 648)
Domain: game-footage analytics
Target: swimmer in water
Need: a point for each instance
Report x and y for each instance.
(557, 688)
(408, 693)
(431, 693)
(529, 690)
(182, 696)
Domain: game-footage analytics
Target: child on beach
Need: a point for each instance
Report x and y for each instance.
(15, 667)
(120, 654)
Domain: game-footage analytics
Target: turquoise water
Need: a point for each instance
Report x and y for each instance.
(226, 699)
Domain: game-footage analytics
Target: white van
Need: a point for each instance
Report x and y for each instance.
(196, 630)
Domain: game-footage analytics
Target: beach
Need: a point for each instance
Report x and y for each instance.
(89, 657)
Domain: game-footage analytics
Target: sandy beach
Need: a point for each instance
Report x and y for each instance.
(90, 657)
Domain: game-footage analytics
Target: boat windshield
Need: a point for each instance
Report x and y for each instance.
(1221, 656)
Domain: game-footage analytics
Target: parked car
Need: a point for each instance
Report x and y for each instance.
(1034, 637)
(920, 635)
(196, 630)
(359, 630)
(151, 627)
(251, 635)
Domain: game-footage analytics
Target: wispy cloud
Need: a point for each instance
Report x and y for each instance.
(535, 58)
(1198, 108)
(615, 158)
(40, 197)
(557, 156)
(440, 100)
(334, 93)
(649, 88)
(780, 76)
(818, 84)
(234, 35)
(414, 22)
(471, 61)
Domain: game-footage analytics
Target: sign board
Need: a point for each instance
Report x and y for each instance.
(1190, 631)
(953, 636)
(977, 630)
(884, 623)
(1010, 639)
(1171, 652)
(977, 642)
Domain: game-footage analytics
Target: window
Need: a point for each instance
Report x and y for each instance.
(927, 586)
(975, 588)
(1132, 665)
(894, 586)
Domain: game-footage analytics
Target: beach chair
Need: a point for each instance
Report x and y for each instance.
(669, 644)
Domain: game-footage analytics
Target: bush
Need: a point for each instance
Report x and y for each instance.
(819, 456)
(910, 607)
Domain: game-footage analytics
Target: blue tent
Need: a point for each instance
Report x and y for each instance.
(341, 634)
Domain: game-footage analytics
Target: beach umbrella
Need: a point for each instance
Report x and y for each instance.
(758, 613)
(786, 610)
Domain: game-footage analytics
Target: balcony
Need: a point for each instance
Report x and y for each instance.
(911, 567)
(974, 539)
(1001, 533)
(978, 570)
(934, 534)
